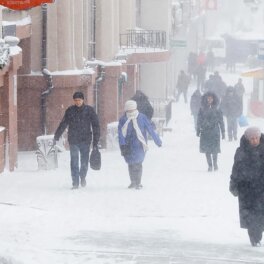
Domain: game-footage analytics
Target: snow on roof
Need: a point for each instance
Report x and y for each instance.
(15, 50)
(22, 22)
(2, 128)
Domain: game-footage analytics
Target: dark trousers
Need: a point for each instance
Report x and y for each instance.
(79, 167)
(135, 173)
(232, 128)
(212, 160)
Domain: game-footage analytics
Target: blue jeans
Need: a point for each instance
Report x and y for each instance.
(79, 171)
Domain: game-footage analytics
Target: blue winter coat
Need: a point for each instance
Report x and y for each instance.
(137, 153)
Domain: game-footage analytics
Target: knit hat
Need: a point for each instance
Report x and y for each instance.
(78, 95)
(130, 105)
(252, 132)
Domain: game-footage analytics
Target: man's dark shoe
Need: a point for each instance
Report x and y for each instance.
(215, 167)
(74, 187)
(83, 182)
(131, 186)
(210, 168)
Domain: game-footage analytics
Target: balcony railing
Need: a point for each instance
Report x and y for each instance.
(138, 39)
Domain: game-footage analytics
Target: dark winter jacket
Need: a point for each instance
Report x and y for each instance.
(82, 123)
(209, 123)
(195, 102)
(247, 181)
(135, 152)
(231, 104)
(183, 82)
(143, 104)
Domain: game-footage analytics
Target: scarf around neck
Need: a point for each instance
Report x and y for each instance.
(132, 116)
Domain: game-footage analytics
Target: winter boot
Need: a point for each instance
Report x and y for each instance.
(83, 182)
(215, 162)
(209, 161)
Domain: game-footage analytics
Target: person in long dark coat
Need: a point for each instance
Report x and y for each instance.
(195, 104)
(232, 108)
(143, 104)
(247, 182)
(209, 124)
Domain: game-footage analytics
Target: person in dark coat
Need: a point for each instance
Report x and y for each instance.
(195, 104)
(83, 129)
(133, 127)
(182, 86)
(143, 104)
(240, 91)
(247, 182)
(209, 124)
(232, 109)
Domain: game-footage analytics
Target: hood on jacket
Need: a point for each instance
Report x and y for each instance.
(204, 99)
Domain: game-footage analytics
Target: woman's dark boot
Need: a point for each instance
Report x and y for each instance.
(209, 161)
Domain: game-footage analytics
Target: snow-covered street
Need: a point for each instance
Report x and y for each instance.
(183, 214)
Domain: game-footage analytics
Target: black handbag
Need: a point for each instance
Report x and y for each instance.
(95, 159)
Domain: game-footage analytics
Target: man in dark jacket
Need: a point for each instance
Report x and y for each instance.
(182, 85)
(83, 128)
(247, 182)
(232, 108)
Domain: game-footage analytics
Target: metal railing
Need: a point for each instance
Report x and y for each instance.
(133, 39)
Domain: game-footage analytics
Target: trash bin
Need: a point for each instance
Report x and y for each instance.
(47, 153)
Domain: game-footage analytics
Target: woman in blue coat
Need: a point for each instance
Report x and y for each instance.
(132, 133)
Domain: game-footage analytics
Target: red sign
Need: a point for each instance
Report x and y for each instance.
(23, 4)
(211, 4)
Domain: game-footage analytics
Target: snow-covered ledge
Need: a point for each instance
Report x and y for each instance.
(4, 53)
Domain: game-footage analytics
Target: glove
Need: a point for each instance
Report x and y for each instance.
(125, 150)
(223, 136)
(95, 147)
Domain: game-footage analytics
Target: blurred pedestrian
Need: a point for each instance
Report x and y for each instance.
(83, 129)
(209, 124)
(182, 86)
(247, 182)
(232, 109)
(195, 104)
(143, 104)
(240, 91)
(133, 127)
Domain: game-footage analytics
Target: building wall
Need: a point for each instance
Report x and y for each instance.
(2, 149)
(127, 15)
(107, 29)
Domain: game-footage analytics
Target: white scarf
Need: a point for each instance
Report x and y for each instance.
(132, 116)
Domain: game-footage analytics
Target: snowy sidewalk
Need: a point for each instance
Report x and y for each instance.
(183, 214)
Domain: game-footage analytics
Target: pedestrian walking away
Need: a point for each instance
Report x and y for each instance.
(83, 129)
(247, 183)
(195, 104)
(209, 124)
(132, 133)
(182, 86)
(232, 108)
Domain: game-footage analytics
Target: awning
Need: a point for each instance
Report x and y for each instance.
(23, 4)
(254, 73)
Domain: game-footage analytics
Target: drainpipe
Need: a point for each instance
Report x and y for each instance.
(46, 73)
(98, 82)
(44, 13)
(92, 8)
(44, 96)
